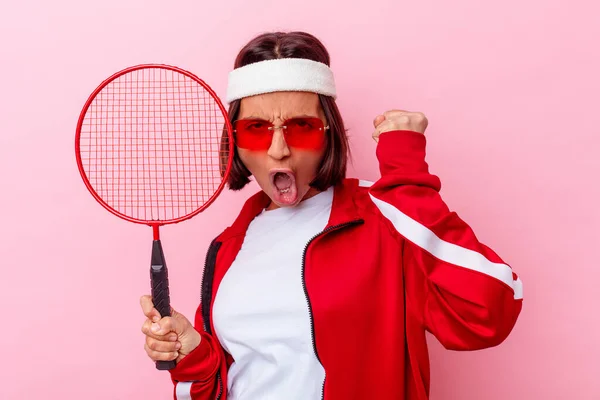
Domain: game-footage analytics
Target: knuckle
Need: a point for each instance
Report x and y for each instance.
(149, 351)
(146, 328)
(166, 324)
(160, 345)
(151, 343)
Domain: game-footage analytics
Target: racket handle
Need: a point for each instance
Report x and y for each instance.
(159, 279)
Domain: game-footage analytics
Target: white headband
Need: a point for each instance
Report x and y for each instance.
(279, 75)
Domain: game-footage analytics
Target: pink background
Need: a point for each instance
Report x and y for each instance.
(511, 91)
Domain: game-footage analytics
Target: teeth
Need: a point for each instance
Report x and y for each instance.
(284, 190)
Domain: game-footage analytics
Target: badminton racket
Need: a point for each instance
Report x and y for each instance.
(151, 145)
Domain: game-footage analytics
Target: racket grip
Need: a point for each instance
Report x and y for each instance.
(159, 279)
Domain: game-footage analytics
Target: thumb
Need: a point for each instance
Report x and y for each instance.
(378, 120)
(174, 323)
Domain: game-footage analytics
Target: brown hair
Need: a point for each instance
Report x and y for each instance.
(268, 46)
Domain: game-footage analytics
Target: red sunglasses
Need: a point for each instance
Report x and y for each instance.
(300, 132)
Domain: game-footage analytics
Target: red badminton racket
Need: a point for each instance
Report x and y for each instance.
(150, 147)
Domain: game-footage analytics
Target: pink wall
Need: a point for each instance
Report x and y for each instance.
(511, 90)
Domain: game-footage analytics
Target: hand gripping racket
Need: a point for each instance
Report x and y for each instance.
(151, 146)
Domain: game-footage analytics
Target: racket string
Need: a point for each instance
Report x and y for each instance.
(151, 145)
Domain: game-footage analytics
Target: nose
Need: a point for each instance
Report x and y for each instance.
(279, 148)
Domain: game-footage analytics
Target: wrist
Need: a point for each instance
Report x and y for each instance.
(191, 343)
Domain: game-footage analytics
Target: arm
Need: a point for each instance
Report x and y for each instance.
(473, 298)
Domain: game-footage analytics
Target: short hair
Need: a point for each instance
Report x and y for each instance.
(275, 45)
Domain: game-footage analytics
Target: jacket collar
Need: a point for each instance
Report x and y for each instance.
(343, 210)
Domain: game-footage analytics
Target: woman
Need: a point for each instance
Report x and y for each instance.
(324, 287)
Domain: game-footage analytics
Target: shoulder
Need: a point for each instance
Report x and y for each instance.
(368, 204)
(362, 194)
(357, 191)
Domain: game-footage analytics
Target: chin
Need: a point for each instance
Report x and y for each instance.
(286, 200)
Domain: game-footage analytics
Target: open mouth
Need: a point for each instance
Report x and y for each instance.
(284, 187)
(283, 182)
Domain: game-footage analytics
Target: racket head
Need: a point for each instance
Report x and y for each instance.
(192, 124)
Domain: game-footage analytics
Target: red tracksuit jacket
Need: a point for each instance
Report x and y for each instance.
(392, 263)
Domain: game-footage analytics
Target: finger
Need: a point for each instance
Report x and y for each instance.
(159, 356)
(148, 308)
(389, 123)
(378, 120)
(394, 113)
(375, 136)
(149, 329)
(385, 126)
(164, 326)
(162, 346)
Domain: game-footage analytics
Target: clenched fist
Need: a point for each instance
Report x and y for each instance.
(168, 338)
(395, 120)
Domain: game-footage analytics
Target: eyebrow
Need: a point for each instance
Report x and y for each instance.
(294, 116)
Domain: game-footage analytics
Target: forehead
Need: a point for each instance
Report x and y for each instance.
(280, 105)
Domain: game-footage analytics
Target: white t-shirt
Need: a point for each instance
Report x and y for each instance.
(261, 314)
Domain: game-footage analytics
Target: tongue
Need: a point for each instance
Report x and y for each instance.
(282, 181)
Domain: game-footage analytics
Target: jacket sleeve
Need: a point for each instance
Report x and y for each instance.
(196, 376)
(472, 298)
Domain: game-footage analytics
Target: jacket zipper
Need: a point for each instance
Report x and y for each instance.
(220, 385)
(211, 256)
(312, 324)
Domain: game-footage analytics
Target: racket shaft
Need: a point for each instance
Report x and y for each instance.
(160, 290)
